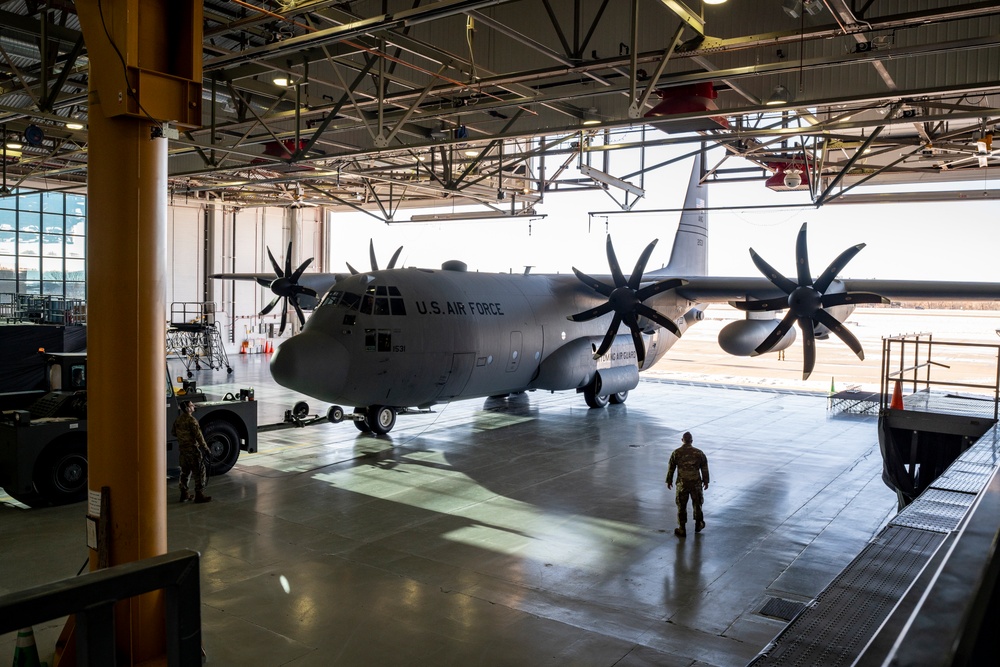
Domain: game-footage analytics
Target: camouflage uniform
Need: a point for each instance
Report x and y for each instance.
(691, 465)
(193, 451)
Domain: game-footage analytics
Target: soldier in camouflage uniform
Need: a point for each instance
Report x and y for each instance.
(691, 465)
(193, 452)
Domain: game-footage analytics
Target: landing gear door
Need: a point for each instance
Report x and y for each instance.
(461, 369)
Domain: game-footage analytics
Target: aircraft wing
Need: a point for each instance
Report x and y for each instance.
(712, 289)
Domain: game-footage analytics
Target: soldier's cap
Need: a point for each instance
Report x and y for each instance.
(184, 405)
(686, 437)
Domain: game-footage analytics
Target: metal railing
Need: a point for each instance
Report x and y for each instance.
(92, 598)
(908, 358)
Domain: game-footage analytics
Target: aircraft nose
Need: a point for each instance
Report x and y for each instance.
(311, 364)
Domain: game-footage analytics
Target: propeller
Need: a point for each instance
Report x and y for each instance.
(625, 299)
(371, 254)
(806, 302)
(285, 286)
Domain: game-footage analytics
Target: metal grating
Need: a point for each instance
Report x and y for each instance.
(780, 608)
(985, 452)
(969, 480)
(936, 510)
(834, 630)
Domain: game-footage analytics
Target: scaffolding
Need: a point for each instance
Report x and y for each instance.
(42, 309)
(194, 337)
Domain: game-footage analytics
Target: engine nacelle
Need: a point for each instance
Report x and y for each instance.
(742, 337)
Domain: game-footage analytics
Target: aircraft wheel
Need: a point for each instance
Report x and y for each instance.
(300, 410)
(619, 398)
(381, 418)
(335, 414)
(362, 424)
(593, 399)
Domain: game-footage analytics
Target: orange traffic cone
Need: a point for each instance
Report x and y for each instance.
(243, 347)
(897, 397)
(268, 348)
(25, 651)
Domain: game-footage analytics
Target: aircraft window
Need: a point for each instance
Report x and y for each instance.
(393, 291)
(367, 301)
(332, 299)
(380, 290)
(350, 319)
(369, 340)
(397, 306)
(384, 340)
(381, 306)
(349, 300)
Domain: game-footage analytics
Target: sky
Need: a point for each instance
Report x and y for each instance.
(927, 241)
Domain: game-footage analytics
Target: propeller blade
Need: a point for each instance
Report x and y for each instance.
(284, 318)
(593, 283)
(371, 254)
(395, 256)
(350, 268)
(269, 307)
(616, 269)
(298, 311)
(808, 347)
(772, 338)
(777, 303)
(609, 337)
(838, 329)
(593, 313)
(640, 345)
(779, 281)
(844, 298)
(836, 266)
(657, 288)
(288, 260)
(640, 265)
(659, 318)
(802, 258)
(308, 291)
(298, 272)
(263, 282)
(274, 263)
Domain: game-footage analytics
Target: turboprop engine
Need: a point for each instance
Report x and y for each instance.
(742, 337)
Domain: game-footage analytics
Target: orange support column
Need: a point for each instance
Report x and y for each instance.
(132, 82)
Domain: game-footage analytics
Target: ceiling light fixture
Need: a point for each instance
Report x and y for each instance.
(715, 2)
(280, 81)
(14, 145)
(591, 116)
(74, 125)
(780, 95)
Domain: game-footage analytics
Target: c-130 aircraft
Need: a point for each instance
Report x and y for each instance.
(393, 339)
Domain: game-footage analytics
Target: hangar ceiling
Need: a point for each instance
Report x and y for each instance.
(390, 104)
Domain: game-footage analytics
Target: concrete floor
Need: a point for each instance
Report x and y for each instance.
(525, 531)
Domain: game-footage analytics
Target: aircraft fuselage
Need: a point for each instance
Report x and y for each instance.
(415, 337)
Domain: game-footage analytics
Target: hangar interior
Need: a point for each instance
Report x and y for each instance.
(301, 111)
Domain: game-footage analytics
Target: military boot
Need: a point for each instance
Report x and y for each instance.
(200, 497)
(699, 526)
(185, 496)
(680, 531)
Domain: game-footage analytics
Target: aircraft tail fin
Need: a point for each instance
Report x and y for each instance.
(689, 256)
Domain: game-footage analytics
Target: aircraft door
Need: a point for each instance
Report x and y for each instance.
(514, 360)
(461, 368)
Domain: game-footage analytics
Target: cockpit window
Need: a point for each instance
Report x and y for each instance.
(332, 298)
(350, 301)
(380, 300)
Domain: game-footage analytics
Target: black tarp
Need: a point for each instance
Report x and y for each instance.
(22, 366)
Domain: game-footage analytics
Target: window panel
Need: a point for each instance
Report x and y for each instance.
(52, 245)
(27, 244)
(52, 288)
(76, 205)
(8, 243)
(28, 269)
(52, 202)
(52, 223)
(76, 290)
(52, 269)
(8, 219)
(76, 269)
(8, 202)
(76, 224)
(30, 202)
(8, 287)
(76, 246)
(29, 222)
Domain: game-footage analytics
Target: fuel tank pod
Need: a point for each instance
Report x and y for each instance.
(742, 337)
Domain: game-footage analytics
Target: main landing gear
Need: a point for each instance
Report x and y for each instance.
(595, 400)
